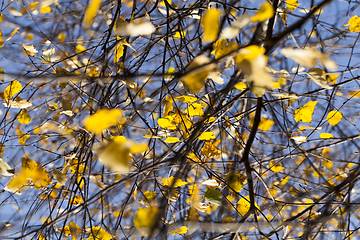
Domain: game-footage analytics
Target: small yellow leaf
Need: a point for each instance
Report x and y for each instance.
(30, 50)
(331, 78)
(98, 233)
(186, 99)
(334, 117)
(265, 124)
(265, 12)
(275, 167)
(222, 47)
(79, 48)
(244, 205)
(1, 39)
(168, 107)
(103, 119)
(354, 23)
(326, 135)
(235, 181)
(146, 217)
(180, 34)
(91, 12)
(150, 195)
(172, 140)
(249, 53)
(45, 9)
(167, 123)
(13, 33)
(240, 86)
(12, 89)
(61, 37)
(210, 23)
(170, 182)
(22, 136)
(195, 109)
(119, 51)
(328, 164)
(180, 230)
(209, 150)
(207, 136)
(304, 113)
(24, 117)
(77, 200)
(292, 4)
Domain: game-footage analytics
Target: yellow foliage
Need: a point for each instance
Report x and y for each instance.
(61, 37)
(209, 150)
(119, 51)
(12, 89)
(146, 217)
(172, 140)
(186, 99)
(222, 47)
(244, 205)
(167, 123)
(180, 230)
(210, 23)
(168, 106)
(103, 119)
(249, 53)
(195, 109)
(235, 181)
(170, 182)
(304, 113)
(354, 23)
(13, 33)
(240, 86)
(91, 11)
(77, 200)
(207, 136)
(265, 12)
(45, 9)
(98, 233)
(292, 4)
(265, 124)
(24, 117)
(149, 195)
(1, 39)
(334, 117)
(328, 164)
(22, 137)
(79, 48)
(180, 34)
(275, 167)
(326, 135)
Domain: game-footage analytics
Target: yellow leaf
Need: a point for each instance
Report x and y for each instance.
(210, 23)
(91, 11)
(103, 119)
(45, 9)
(167, 123)
(235, 181)
(249, 53)
(61, 37)
(30, 50)
(146, 217)
(354, 23)
(275, 167)
(1, 39)
(331, 78)
(172, 140)
(244, 205)
(168, 107)
(150, 195)
(195, 109)
(12, 89)
(207, 136)
(134, 28)
(170, 181)
(326, 135)
(22, 136)
(209, 150)
(24, 117)
(180, 34)
(292, 4)
(334, 117)
(77, 200)
(265, 12)
(222, 47)
(240, 86)
(186, 99)
(328, 164)
(119, 51)
(79, 48)
(304, 113)
(98, 233)
(116, 155)
(59, 176)
(13, 33)
(265, 124)
(180, 230)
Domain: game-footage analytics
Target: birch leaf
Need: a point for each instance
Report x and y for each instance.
(30, 50)
(265, 12)
(292, 4)
(12, 89)
(103, 119)
(326, 135)
(91, 11)
(305, 113)
(135, 28)
(180, 230)
(210, 23)
(334, 117)
(13, 33)
(316, 74)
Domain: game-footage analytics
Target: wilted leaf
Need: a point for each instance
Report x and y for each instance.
(334, 117)
(30, 50)
(265, 12)
(180, 230)
(210, 23)
(305, 113)
(103, 119)
(91, 12)
(316, 74)
(213, 196)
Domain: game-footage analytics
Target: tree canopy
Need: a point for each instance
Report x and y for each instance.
(206, 119)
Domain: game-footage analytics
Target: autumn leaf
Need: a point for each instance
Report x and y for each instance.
(234, 29)
(209, 150)
(326, 135)
(5, 169)
(172, 140)
(103, 119)
(60, 177)
(305, 113)
(12, 89)
(265, 124)
(213, 196)
(24, 117)
(119, 51)
(16, 30)
(134, 28)
(30, 50)
(167, 123)
(292, 4)
(316, 74)
(77, 200)
(334, 117)
(146, 217)
(195, 109)
(354, 23)
(222, 47)
(98, 233)
(170, 182)
(275, 166)
(240, 86)
(91, 12)
(210, 23)
(207, 136)
(236, 181)
(244, 205)
(265, 12)
(180, 230)
(180, 34)
(1, 39)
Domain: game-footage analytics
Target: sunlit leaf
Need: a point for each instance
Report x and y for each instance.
(12, 89)
(45, 9)
(91, 12)
(275, 166)
(244, 205)
(77, 200)
(135, 28)
(168, 106)
(172, 140)
(326, 135)
(215, 76)
(334, 117)
(170, 182)
(119, 51)
(210, 23)
(209, 150)
(265, 12)
(62, 37)
(222, 47)
(235, 181)
(17, 104)
(24, 117)
(1, 39)
(180, 230)
(292, 4)
(240, 86)
(236, 26)
(180, 34)
(211, 183)
(47, 54)
(103, 119)
(207, 136)
(186, 99)
(166, 123)
(98, 233)
(195, 109)
(305, 113)
(16, 30)
(30, 50)
(354, 23)
(150, 195)
(79, 48)
(265, 124)
(22, 137)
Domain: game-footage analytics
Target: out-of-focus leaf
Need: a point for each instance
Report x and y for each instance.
(180, 230)
(135, 28)
(12, 89)
(146, 217)
(316, 74)
(210, 23)
(30, 50)
(213, 196)
(91, 12)
(103, 119)
(265, 12)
